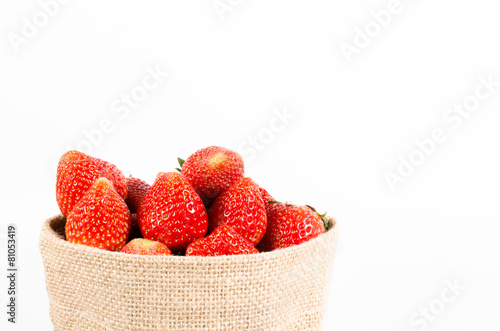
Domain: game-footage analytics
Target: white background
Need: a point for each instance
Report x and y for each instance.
(350, 123)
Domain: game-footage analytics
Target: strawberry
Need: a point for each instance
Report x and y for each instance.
(137, 189)
(241, 207)
(77, 171)
(143, 246)
(212, 170)
(222, 241)
(172, 212)
(266, 196)
(100, 218)
(289, 225)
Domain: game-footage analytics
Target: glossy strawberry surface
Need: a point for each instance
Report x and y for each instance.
(77, 171)
(137, 189)
(242, 208)
(143, 246)
(212, 170)
(289, 225)
(100, 218)
(222, 241)
(172, 212)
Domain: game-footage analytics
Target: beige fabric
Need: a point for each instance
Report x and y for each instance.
(93, 289)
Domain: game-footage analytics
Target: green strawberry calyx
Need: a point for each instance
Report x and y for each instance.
(181, 162)
(322, 216)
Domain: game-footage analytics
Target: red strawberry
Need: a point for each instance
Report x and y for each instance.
(143, 246)
(172, 212)
(137, 189)
(241, 207)
(77, 171)
(212, 170)
(100, 218)
(289, 225)
(266, 196)
(222, 241)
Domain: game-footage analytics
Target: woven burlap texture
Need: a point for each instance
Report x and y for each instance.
(93, 289)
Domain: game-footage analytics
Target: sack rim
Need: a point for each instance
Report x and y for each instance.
(49, 235)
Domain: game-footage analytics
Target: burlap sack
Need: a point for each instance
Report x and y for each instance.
(93, 289)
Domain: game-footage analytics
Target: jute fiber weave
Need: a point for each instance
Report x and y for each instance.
(94, 289)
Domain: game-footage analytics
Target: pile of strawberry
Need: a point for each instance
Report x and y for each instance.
(208, 208)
